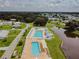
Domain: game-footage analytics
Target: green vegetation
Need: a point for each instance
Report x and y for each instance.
(73, 27)
(54, 44)
(1, 52)
(29, 19)
(5, 27)
(54, 47)
(49, 25)
(58, 24)
(76, 32)
(8, 27)
(40, 21)
(23, 25)
(20, 45)
(10, 38)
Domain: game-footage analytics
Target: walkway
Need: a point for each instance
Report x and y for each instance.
(70, 45)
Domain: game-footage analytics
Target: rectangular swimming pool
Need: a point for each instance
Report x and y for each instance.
(38, 33)
(35, 49)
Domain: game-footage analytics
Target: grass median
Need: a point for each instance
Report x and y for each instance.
(20, 46)
(5, 27)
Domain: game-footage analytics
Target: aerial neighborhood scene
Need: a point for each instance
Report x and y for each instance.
(39, 29)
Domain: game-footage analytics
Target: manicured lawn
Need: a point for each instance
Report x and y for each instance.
(11, 36)
(23, 25)
(8, 27)
(1, 52)
(58, 24)
(54, 47)
(5, 27)
(49, 25)
(20, 45)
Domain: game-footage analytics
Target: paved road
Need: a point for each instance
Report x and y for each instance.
(13, 45)
(70, 45)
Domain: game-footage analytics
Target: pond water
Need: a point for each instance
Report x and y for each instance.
(70, 45)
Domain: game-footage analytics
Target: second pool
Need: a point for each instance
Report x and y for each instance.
(35, 49)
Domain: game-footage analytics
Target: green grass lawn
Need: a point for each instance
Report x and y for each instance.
(23, 25)
(20, 45)
(11, 36)
(5, 27)
(49, 25)
(58, 24)
(54, 47)
(1, 52)
(8, 27)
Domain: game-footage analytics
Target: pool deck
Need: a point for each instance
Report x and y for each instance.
(27, 54)
(27, 50)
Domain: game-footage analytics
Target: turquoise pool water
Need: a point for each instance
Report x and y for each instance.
(38, 33)
(35, 49)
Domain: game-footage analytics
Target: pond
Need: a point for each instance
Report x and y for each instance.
(70, 45)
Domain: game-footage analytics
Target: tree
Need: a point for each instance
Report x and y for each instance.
(72, 25)
(40, 21)
(29, 20)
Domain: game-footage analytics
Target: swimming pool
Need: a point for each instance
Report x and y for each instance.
(38, 33)
(35, 49)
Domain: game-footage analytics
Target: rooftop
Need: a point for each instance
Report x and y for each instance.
(3, 34)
